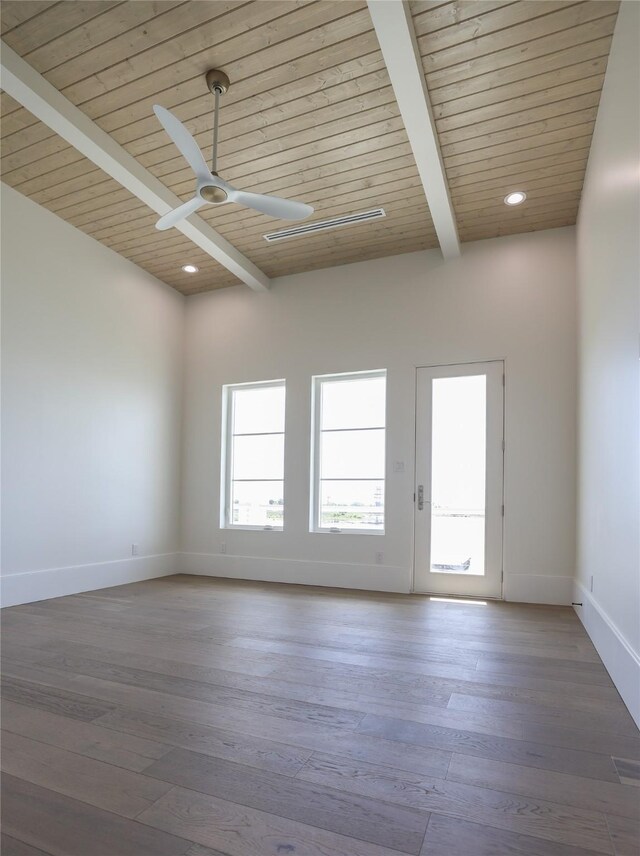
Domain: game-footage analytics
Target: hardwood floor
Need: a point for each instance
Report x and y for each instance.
(189, 716)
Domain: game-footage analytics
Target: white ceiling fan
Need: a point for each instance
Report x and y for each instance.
(210, 188)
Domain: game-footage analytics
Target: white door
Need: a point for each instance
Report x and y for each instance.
(459, 465)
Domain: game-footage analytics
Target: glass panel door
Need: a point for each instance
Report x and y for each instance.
(459, 480)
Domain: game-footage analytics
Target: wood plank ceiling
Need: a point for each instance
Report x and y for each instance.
(310, 115)
(515, 88)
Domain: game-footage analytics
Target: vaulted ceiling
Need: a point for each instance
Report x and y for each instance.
(310, 115)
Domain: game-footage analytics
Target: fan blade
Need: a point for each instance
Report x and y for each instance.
(179, 213)
(273, 206)
(185, 143)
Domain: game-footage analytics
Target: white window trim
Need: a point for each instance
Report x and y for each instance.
(226, 454)
(316, 414)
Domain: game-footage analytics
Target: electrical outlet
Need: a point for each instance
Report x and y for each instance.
(379, 558)
(223, 547)
(135, 549)
(591, 583)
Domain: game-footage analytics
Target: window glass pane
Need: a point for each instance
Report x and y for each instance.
(352, 504)
(257, 503)
(258, 457)
(350, 467)
(458, 469)
(352, 454)
(258, 410)
(354, 403)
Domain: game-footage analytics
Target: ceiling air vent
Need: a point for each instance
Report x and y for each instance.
(322, 225)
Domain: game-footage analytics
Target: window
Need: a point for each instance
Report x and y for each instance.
(253, 456)
(349, 452)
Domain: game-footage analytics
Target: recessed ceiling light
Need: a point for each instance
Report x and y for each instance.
(515, 198)
(189, 268)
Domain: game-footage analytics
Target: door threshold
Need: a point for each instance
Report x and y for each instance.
(457, 598)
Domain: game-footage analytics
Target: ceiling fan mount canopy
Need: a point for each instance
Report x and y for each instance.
(217, 81)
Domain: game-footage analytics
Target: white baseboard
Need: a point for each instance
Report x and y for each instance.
(538, 588)
(522, 588)
(619, 658)
(31, 586)
(301, 571)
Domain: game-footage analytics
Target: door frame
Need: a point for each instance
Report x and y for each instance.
(470, 363)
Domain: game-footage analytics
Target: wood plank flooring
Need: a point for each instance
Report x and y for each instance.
(189, 716)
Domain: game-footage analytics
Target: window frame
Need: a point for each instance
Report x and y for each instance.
(226, 453)
(316, 431)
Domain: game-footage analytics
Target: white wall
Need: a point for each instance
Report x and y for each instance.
(511, 298)
(92, 406)
(609, 370)
(91, 398)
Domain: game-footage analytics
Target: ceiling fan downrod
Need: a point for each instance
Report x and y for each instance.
(217, 83)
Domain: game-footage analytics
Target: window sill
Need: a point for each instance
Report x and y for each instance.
(346, 532)
(240, 528)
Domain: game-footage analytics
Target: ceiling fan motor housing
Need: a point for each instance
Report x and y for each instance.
(213, 194)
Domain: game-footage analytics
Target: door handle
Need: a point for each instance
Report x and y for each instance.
(421, 499)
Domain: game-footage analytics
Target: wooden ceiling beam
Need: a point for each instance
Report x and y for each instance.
(39, 97)
(396, 36)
